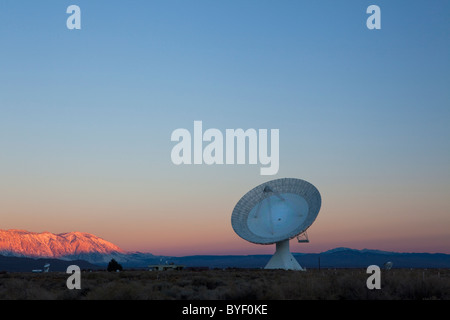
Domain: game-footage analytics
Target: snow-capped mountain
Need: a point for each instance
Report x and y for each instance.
(68, 246)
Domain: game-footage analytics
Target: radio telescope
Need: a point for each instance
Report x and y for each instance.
(388, 265)
(275, 212)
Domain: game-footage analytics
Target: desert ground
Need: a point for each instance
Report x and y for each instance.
(230, 284)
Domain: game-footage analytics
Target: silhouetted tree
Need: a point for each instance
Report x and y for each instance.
(113, 265)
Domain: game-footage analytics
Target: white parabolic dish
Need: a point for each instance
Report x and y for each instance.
(275, 212)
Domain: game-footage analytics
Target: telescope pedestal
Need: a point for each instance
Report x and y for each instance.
(283, 258)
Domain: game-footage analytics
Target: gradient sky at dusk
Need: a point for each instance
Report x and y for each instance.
(86, 118)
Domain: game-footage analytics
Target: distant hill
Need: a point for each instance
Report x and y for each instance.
(336, 258)
(351, 258)
(15, 264)
(94, 250)
(340, 258)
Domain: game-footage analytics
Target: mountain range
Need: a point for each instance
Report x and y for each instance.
(21, 250)
(66, 246)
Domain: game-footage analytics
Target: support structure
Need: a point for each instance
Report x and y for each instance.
(283, 258)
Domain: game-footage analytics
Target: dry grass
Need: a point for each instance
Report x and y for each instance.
(229, 285)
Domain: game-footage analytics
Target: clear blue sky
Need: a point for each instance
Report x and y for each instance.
(86, 117)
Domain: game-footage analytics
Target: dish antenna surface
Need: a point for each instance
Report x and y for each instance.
(275, 212)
